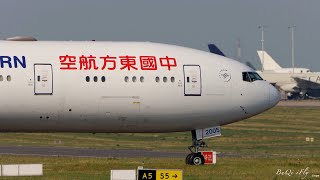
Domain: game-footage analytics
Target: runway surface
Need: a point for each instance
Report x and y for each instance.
(299, 103)
(105, 153)
(85, 152)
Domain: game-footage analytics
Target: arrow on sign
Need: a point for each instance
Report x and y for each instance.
(175, 176)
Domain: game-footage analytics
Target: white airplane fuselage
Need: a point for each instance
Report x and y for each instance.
(148, 87)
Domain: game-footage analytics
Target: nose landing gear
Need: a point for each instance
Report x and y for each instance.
(195, 157)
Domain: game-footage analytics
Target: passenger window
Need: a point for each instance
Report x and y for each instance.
(103, 79)
(141, 79)
(134, 79)
(165, 79)
(1, 78)
(95, 79)
(87, 78)
(157, 79)
(9, 78)
(172, 79)
(126, 79)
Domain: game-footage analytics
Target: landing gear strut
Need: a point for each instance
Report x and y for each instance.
(195, 157)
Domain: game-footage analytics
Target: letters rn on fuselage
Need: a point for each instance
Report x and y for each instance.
(13, 62)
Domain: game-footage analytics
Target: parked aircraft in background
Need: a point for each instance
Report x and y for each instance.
(301, 84)
(269, 64)
(295, 85)
(125, 87)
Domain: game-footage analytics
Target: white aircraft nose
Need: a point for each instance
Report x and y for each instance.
(274, 96)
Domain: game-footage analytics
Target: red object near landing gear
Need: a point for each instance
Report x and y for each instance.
(210, 157)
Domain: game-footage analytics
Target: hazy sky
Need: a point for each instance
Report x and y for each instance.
(192, 23)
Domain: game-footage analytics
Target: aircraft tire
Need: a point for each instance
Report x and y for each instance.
(188, 158)
(196, 159)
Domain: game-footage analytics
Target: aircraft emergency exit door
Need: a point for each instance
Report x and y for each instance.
(43, 79)
(192, 80)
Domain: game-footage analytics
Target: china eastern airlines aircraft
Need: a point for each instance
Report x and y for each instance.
(125, 87)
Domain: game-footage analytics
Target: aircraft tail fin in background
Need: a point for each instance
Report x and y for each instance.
(267, 61)
(215, 50)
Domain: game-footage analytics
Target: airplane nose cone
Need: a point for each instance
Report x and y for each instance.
(274, 96)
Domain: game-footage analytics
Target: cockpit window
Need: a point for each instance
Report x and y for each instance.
(250, 76)
(245, 77)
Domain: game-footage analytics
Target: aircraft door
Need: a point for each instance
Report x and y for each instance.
(43, 79)
(192, 80)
